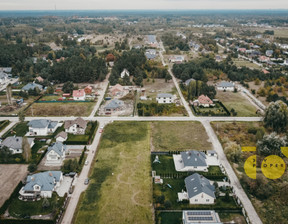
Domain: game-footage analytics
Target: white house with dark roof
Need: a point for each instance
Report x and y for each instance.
(77, 126)
(150, 54)
(165, 98)
(41, 185)
(55, 154)
(227, 86)
(114, 105)
(62, 136)
(15, 144)
(200, 217)
(42, 127)
(198, 190)
(191, 161)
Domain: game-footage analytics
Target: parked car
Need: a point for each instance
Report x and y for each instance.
(86, 182)
(86, 162)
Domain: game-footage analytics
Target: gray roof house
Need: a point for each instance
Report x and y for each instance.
(55, 154)
(199, 189)
(41, 185)
(150, 54)
(191, 161)
(32, 86)
(114, 105)
(165, 98)
(42, 126)
(15, 144)
(151, 39)
(226, 86)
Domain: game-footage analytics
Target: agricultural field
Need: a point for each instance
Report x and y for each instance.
(120, 179)
(238, 102)
(180, 136)
(270, 206)
(10, 176)
(60, 109)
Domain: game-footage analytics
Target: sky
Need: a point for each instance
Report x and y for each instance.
(140, 4)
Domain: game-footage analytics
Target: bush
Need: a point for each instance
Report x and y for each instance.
(32, 167)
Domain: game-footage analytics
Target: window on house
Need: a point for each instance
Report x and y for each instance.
(207, 200)
(196, 199)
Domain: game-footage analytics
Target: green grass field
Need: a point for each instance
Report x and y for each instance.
(180, 136)
(243, 63)
(120, 188)
(19, 129)
(238, 102)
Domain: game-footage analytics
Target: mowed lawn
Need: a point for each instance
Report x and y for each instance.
(179, 136)
(238, 102)
(60, 109)
(120, 189)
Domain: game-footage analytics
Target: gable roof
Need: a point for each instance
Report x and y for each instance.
(32, 86)
(57, 147)
(62, 134)
(78, 121)
(78, 93)
(193, 158)
(188, 81)
(204, 100)
(114, 104)
(226, 84)
(42, 123)
(166, 95)
(45, 180)
(197, 184)
(117, 87)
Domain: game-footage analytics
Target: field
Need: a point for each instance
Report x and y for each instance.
(60, 109)
(242, 63)
(158, 86)
(19, 129)
(10, 176)
(120, 187)
(238, 102)
(180, 136)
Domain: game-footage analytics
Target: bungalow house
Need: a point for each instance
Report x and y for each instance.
(88, 90)
(200, 217)
(3, 77)
(150, 54)
(226, 86)
(39, 79)
(263, 59)
(79, 95)
(41, 185)
(77, 126)
(199, 190)
(117, 90)
(269, 53)
(114, 105)
(62, 137)
(124, 72)
(32, 86)
(164, 98)
(55, 154)
(176, 59)
(15, 144)
(191, 161)
(42, 127)
(203, 101)
(152, 41)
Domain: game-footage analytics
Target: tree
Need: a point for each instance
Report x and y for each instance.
(271, 144)
(276, 116)
(32, 167)
(26, 149)
(233, 152)
(46, 203)
(50, 90)
(68, 87)
(21, 116)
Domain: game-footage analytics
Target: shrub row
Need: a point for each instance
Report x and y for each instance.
(8, 201)
(4, 124)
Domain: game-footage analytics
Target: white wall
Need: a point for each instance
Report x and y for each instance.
(202, 199)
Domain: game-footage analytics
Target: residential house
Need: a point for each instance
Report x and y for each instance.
(3, 77)
(114, 105)
(263, 59)
(117, 90)
(88, 90)
(226, 86)
(199, 190)
(62, 137)
(39, 79)
(124, 72)
(200, 217)
(55, 154)
(203, 101)
(242, 50)
(137, 46)
(188, 81)
(15, 144)
(32, 86)
(269, 53)
(165, 98)
(177, 59)
(41, 185)
(77, 126)
(42, 127)
(191, 161)
(151, 40)
(150, 54)
(79, 95)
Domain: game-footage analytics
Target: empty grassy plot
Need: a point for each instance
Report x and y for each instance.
(120, 189)
(179, 136)
(238, 102)
(60, 109)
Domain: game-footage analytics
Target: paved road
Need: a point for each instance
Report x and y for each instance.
(80, 187)
(252, 98)
(7, 128)
(253, 216)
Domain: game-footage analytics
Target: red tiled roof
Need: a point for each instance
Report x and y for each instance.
(78, 93)
(204, 100)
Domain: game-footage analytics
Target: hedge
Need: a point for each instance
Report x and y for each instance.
(4, 124)
(8, 201)
(26, 221)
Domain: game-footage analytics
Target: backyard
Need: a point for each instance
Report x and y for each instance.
(120, 179)
(180, 136)
(238, 102)
(60, 109)
(19, 129)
